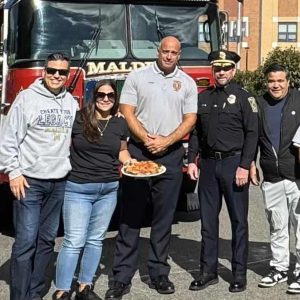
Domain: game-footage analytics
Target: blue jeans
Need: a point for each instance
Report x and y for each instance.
(87, 211)
(36, 220)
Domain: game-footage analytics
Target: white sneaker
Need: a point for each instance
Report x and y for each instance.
(294, 287)
(275, 276)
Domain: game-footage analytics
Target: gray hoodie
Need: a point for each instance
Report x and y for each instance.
(36, 135)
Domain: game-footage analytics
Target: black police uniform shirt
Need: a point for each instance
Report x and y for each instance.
(97, 162)
(237, 123)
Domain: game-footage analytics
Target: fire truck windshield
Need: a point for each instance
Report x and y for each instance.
(149, 23)
(67, 27)
(38, 27)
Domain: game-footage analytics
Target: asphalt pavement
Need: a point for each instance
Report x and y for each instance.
(184, 260)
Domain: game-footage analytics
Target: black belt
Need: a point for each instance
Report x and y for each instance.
(219, 155)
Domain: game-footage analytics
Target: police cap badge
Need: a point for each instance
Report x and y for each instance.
(223, 58)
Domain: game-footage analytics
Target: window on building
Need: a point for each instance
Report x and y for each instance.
(232, 29)
(201, 32)
(203, 29)
(287, 32)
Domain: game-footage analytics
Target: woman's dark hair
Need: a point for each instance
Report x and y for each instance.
(88, 112)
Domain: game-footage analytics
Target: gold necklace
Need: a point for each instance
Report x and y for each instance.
(100, 129)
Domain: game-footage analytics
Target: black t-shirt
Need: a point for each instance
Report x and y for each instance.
(97, 162)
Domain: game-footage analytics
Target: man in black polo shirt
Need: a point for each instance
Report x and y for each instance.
(225, 137)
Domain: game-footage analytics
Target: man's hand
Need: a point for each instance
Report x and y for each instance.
(254, 174)
(129, 161)
(241, 176)
(17, 186)
(192, 171)
(156, 143)
(119, 115)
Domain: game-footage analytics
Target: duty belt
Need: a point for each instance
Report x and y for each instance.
(219, 155)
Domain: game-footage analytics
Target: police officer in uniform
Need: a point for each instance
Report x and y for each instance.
(225, 137)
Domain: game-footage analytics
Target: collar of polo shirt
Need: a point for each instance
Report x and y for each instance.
(159, 71)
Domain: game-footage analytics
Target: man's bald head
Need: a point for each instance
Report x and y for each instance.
(170, 40)
(168, 54)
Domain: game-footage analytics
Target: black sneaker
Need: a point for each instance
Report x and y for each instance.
(117, 290)
(275, 276)
(294, 287)
(86, 294)
(64, 296)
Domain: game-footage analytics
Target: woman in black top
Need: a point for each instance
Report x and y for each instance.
(99, 144)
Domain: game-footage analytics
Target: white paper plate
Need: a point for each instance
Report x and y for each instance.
(162, 170)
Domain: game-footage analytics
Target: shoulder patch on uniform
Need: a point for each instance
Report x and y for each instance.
(253, 104)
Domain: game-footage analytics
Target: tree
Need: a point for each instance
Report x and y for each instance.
(255, 81)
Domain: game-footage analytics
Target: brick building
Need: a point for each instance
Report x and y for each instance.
(265, 24)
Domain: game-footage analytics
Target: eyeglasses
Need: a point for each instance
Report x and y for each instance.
(61, 72)
(110, 96)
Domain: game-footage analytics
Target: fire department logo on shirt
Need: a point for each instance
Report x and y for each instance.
(231, 99)
(253, 104)
(176, 85)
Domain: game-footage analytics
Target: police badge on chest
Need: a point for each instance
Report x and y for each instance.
(231, 99)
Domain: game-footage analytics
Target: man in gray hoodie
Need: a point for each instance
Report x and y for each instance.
(34, 152)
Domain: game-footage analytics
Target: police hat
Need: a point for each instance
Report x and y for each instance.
(223, 58)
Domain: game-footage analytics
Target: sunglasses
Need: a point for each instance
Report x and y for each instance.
(225, 69)
(110, 96)
(61, 72)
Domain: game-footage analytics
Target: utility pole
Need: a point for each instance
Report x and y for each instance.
(239, 30)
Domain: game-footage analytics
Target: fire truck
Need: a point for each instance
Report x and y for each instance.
(104, 39)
